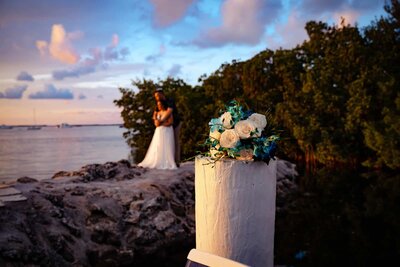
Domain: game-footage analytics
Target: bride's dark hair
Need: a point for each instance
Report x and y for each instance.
(163, 104)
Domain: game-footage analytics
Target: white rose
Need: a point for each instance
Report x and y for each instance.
(245, 128)
(216, 135)
(260, 121)
(245, 154)
(226, 120)
(229, 138)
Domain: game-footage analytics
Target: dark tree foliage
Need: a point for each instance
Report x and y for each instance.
(137, 111)
(334, 99)
(382, 119)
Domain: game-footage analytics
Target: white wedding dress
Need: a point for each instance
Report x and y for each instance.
(160, 154)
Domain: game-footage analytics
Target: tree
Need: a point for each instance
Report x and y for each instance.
(137, 110)
(335, 97)
(382, 126)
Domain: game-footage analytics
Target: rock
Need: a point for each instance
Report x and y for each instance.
(285, 169)
(26, 180)
(163, 220)
(61, 174)
(12, 198)
(8, 191)
(112, 214)
(132, 217)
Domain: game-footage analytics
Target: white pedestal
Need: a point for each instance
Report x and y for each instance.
(235, 210)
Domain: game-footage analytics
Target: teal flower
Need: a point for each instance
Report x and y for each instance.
(216, 125)
(244, 140)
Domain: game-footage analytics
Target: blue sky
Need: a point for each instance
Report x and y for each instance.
(65, 59)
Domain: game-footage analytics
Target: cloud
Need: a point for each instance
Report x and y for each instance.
(167, 13)
(153, 58)
(114, 40)
(124, 51)
(243, 22)
(75, 72)
(51, 92)
(42, 47)
(24, 76)
(288, 34)
(110, 53)
(174, 70)
(146, 72)
(97, 58)
(75, 35)
(367, 4)
(14, 92)
(348, 16)
(334, 6)
(318, 6)
(81, 97)
(60, 46)
(291, 32)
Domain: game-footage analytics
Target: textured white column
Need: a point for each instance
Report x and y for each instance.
(235, 210)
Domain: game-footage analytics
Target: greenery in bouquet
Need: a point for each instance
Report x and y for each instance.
(240, 134)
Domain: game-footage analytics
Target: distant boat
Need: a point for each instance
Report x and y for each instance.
(64, 125)
(3, 126)
(34, 127)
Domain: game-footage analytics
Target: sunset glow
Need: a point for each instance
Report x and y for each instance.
(66, 60)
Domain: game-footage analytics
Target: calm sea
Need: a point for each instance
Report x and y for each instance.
(41, 153)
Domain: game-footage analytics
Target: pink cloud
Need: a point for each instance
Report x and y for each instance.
(98, 58)
(243, 22)
(289, 34)
(60, 46)
(347, 15)
(75, 35)
(115, 40)
(167, 12)
(318, 6)
(42, 47)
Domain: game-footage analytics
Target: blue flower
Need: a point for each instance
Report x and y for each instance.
(263, 147)
(247, 114)
(270, 150)
(300, 255)
(215, 125)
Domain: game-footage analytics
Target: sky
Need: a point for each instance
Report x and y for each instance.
(62, 61)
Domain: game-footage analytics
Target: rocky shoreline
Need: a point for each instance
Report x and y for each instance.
(113, 214)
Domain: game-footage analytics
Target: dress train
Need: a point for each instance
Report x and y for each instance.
(160, 154)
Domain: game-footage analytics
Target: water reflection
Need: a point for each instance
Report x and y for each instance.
(39, 154)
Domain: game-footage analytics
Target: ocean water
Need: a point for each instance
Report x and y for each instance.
(41, 153)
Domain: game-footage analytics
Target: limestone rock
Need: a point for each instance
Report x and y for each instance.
(113, 214)
(26, 180)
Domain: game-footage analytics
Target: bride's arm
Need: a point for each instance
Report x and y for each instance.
(155, 120)
(165, 116)
(168, 122)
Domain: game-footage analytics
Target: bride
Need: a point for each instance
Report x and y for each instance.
(160, 154)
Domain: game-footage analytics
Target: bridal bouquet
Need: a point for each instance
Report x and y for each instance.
(240, 134)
